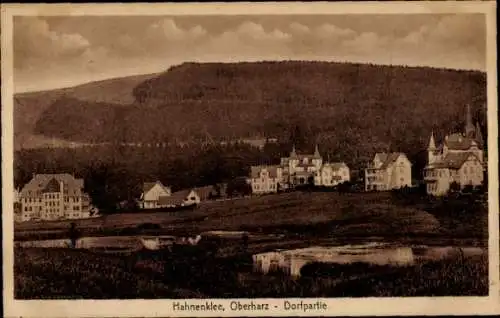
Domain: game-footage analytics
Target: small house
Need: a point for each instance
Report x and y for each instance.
(152, 195)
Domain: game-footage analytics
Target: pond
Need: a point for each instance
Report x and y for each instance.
(130, 243)
(153, 242)
(379, 254)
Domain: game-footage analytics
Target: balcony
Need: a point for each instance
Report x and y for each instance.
(430, 176)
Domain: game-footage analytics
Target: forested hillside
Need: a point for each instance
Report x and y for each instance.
(30, 107)
(351, 110)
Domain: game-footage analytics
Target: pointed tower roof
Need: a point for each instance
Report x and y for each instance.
(293, 154)
(316, 152)
(479, 135)
(469, 126)
(432, 142)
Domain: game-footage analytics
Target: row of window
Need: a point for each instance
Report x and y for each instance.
(39, 208)
(50, 197)
(442, 173)
(432, 187)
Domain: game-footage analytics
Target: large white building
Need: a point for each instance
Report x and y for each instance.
(296, 170)
(459, 159)
(388, 171)
(54, 197)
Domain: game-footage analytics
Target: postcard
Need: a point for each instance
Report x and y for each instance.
(270, 159)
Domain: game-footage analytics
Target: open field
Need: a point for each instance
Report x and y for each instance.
(73, 274)
(64, 273)
(313, 214)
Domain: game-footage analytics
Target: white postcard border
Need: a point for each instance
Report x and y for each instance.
(336, 307)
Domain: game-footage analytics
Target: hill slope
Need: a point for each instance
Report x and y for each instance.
(29, 107)
(350, 109)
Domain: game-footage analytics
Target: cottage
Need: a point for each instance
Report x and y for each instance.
(332, 174)
(152, 194)
(180, 199)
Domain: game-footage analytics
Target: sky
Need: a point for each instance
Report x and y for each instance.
(55, 52)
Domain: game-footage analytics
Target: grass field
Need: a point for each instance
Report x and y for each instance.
(73, 274)
(310, 213)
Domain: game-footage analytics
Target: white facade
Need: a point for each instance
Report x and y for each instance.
(332, 174)
(296, 170)
(192, 198)
(54, 197)
(387, 172)
(459, 160)
(265, 179)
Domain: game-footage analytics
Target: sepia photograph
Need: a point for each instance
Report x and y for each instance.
(297, 156)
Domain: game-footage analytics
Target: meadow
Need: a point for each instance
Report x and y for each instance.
(75, 274)
(305, 218)
(310, 214)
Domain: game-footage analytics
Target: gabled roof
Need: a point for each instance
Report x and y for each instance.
(52, 186)
(177, 198)
(204, 192)
(459, 142)
(72, 185)
(388, 158)
(391, 158)
(149, 185)
(256, 170)
(453, 160)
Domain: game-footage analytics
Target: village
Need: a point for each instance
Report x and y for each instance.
(456, 164)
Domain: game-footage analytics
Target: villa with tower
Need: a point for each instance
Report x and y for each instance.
(296, 170)
(458, 160)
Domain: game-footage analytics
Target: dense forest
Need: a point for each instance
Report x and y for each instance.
(113, 174)
(349, 110)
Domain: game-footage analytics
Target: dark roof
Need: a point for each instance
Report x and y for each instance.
(256, 170)
(72, 185)
(453, 160)
(52, 186)
(388, 158)
(459, 142)
(177, 198)
(204, 192)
